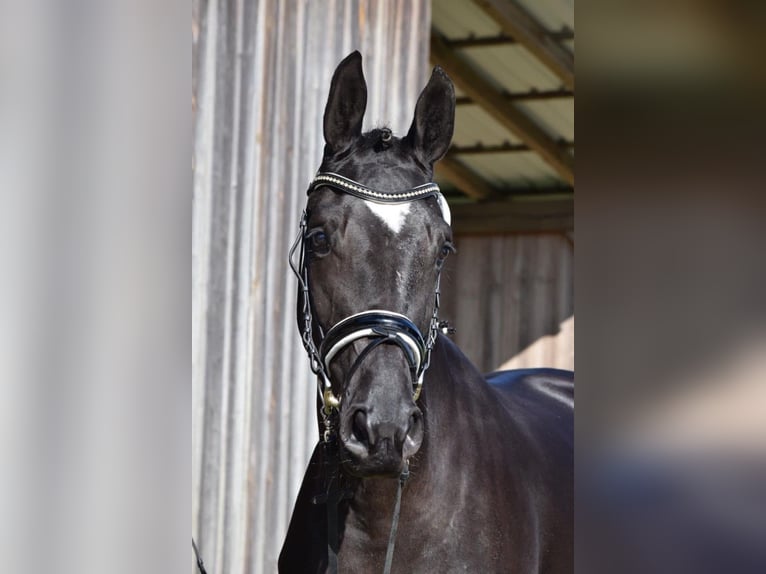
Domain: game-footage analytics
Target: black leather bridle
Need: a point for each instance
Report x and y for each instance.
(379, 326)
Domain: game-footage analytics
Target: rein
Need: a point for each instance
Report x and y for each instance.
(395, 521)
(379, 326)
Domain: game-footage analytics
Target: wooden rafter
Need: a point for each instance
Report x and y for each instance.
(502, 39)
(505, 147)
(529, 96)
(506, 113)
(465, 179)
(519, 215)
(518, 23)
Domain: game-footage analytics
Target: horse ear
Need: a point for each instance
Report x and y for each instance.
(434, 122)
(345, 105)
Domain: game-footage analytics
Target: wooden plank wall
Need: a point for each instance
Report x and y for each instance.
(261, 71)
(511, 299)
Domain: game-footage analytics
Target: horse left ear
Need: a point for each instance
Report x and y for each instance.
(431, 130)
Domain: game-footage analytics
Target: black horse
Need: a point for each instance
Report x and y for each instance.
(485, 465)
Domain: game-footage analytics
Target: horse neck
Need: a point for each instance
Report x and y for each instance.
(455, 397)
(447, 467)
(454, 392)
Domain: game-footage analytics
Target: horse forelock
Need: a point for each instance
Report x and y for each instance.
(388, 168)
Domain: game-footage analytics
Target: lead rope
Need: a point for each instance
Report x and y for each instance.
(200, 565)
(395, 522)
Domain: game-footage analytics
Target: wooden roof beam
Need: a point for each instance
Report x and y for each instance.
(529, 96)
(518, 215)
(505, 147)
(518, 23)
(473, 41)
(492, 100)
(465, 179)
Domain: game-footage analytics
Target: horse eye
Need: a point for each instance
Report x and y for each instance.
(446, 249)
(320, 243)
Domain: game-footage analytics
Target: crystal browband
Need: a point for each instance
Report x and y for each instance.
(357, 189)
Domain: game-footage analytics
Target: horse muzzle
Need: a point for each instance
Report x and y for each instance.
(379, 447)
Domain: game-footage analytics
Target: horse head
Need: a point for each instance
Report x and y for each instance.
(373, 240)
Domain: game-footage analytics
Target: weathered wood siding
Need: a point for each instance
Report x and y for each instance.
(511, 298)
(261, 72)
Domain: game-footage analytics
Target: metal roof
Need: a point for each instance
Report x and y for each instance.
(512, 65)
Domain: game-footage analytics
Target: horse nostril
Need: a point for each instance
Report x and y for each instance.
(359, 427)
(414, 437)
(414, 424)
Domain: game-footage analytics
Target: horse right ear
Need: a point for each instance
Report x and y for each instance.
(345, 105)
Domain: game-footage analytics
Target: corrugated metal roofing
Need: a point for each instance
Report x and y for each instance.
(513, 70)
(475, 126)
(555, 116)
(515, 170)
(553, 14)
(461, 18)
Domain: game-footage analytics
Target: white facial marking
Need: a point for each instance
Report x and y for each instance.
(399, 280)
(392, 214)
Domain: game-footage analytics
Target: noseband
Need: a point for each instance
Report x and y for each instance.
(378, 325)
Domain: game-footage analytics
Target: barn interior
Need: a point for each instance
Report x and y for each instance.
(261, 71)
(509, 177)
